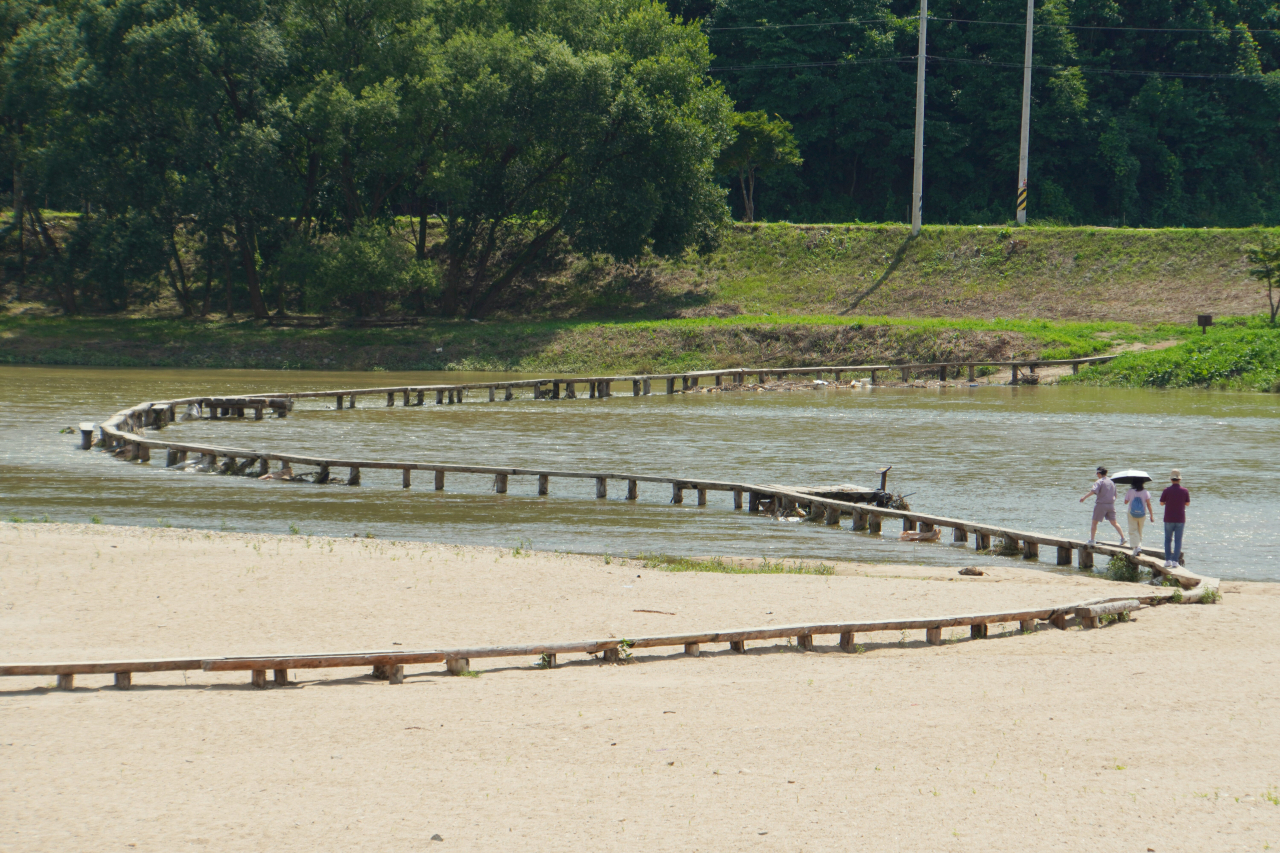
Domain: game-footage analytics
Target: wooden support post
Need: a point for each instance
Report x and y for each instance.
(323, 475)
(693, 381)
(1064, 555)
(439, 481)
(908, 524)
(926, 527)
(405, 400)
(537, 390)
(645, 387)
(1014, 380)
(439, 398)
(873, 524)
(906, 375)
(635, 387)
(510, 394)
(170, 458)
(493, 392)
(458, 666)
(684, 383)
(602, 488)
(1030, 550)
(544, 483)
(259, 679)
(354, 478)
(833, 515)
(570, 391)
(978, 632)
(972, 377)
(1026, 626)
(1089, 621)
(239, 411)
(500, 483)
(677, 493)
(739, 646)
(873, 376)
(450, 397)
(737, 498)
(66, 682)
(848, 642)
(421, 398)
(942, 373)
(933, 636)
(549, 658)
(338, 402)
(257, 412)
(281, 677)
(702, 497)
(1059, 621)
(144, 453)
(379, 671)
(1084, 558)
(591, 390)
(124, 680)
(606, 388)
(981, 541)
(264, 466)
(555, 390)
(406, 477)
(395, 673)
(1075, 368)
(719, 379)
(753, 502)
(858, 520)
(671, 386)
(692, 649)
(86, 436)
(804, 642)
(959, 534)
(633, 490)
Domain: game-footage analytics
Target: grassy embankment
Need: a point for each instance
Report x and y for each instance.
(776, 295)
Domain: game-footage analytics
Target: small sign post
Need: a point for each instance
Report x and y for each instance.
(1205, 321)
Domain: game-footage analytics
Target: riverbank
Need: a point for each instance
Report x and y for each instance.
(1042, 738)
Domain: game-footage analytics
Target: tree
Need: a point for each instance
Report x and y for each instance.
(762, 145)
(1266, 258)
(588, 120)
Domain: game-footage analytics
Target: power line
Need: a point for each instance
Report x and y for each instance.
(1086, 69)
(1218, 30)
(827, 64)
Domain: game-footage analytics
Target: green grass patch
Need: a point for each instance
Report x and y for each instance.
(1240, 353)
(667, 563)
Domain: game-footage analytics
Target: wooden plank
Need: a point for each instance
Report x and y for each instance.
(1108, 608)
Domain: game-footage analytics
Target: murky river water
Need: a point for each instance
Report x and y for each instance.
(1012, 456)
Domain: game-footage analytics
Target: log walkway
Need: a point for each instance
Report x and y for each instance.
(125, 434)
(389, 664)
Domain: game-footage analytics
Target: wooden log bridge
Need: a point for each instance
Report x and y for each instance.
(118, 435)
(389, 664)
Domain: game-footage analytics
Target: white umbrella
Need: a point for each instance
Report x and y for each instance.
(1131, 476)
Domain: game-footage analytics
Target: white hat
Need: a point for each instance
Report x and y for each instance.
(1175, 474)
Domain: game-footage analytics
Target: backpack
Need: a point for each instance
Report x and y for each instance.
(1137, 507)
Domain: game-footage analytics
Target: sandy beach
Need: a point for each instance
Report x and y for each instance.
(1158, 734)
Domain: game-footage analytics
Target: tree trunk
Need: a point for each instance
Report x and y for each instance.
(746, 199)
(420, 253)
(66, 285)
(180, 286)
(245, 242)
(17, 215)
(226, 271)
(531, 252)
(208, 285)
(352, 210)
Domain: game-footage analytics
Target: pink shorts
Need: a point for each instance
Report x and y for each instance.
(1104, 511)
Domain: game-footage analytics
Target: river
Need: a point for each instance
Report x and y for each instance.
(1019, 457)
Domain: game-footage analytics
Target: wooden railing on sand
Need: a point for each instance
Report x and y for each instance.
(390, 664)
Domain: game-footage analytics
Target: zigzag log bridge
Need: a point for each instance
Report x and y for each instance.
(390, 664)
(123, 433)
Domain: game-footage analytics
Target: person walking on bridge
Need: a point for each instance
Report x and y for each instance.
(1104, 506)
(1138, 499)
(1174, 499)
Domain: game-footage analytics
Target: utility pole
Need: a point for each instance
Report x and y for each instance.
(918, 181)
(1026, 118)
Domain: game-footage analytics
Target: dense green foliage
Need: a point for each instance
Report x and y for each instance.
(1236, 354)
(270, 143)
(1107, 147)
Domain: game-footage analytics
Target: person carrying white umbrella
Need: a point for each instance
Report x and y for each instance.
(1138, 500)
